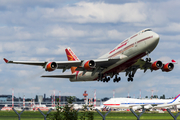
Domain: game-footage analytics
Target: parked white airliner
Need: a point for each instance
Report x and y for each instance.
(127, 103)
(125, 57)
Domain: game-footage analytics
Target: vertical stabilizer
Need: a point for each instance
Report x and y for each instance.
(71, 57)
(177, 98)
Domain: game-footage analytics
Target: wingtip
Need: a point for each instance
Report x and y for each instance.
(6, 60)
(173, 61)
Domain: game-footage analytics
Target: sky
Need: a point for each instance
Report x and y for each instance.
(40, 30)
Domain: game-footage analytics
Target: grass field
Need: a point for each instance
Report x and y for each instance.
(30, 115)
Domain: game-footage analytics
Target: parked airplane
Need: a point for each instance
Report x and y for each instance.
(126, 103)
(101, 107)
(125, 57)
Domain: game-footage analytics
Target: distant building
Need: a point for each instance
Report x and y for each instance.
(4, 98)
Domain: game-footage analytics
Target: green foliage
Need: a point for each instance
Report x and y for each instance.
(162, 97)
(87, 114)
(65, 113)
(68, 113)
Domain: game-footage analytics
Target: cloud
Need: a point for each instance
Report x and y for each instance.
(97, 12)
(14, 47)
(66, 32)
(42, 50)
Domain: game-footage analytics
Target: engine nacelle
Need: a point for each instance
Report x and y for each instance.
(136, 107)
(168, 67)
(148, 106)
(157, 65)
(88, 64)
(51, 66)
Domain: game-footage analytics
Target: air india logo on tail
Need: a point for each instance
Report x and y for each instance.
(71, 57)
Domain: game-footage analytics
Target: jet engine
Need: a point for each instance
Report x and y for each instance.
(88, 64)
(136, 107)
(157, 65)
(51, 66)
(168, 67)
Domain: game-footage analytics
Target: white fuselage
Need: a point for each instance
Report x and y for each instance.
(134, 47)
(126, 103)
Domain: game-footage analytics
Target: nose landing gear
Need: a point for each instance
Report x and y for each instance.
(130, 73)
(148, 59)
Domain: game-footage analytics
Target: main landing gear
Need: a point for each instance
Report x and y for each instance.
(130, 72)
(105, 79)
(116, 79)
(130, 77)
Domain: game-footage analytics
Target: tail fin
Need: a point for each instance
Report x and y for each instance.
(71, 57)
(176, 99)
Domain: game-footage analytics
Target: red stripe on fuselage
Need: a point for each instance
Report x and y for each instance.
(122, 50)
(144, 39)
(111, 104)
(126, 48)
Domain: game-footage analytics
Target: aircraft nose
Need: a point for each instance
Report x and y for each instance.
(155, 40)
(152, 43)
(156, 36)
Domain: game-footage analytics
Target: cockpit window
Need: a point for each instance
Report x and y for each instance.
(146, 30)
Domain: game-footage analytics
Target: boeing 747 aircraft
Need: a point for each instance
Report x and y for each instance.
(127, 103)
(125, 57)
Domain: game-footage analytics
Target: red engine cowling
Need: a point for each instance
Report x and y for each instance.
(89, 64)
(157, 65)
(168, 67)
(51, 66)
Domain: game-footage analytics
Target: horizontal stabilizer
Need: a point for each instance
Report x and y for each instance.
(59, 76)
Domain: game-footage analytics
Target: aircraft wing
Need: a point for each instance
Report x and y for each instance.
(59, 76)
(60, 64)
(37, 63)
(100, 63)
(144, 65)
(103, 63)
